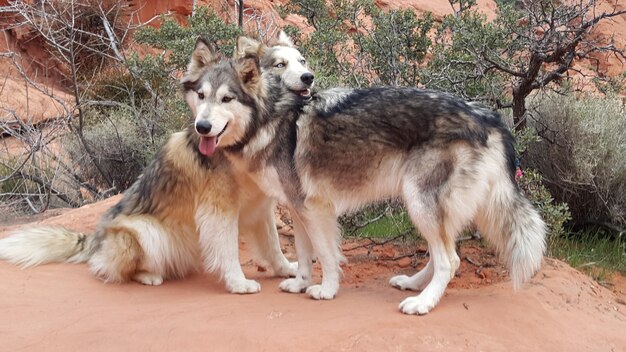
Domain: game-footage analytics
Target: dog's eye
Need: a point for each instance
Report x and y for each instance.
(303, 61)
(200, 96)
(279, 65)
(227, 99)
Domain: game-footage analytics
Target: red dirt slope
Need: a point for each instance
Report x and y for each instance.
(63, 308)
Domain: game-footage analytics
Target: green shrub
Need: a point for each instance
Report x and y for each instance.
(531, 182)
(581, 155)
(36, 186)
(124, 141)
(386, 219)
(357, 44)
(8, 186)
(134, 108)
(554, 214)
(456, 68)
(180, 40)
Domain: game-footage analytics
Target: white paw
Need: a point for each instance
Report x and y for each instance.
(321, 292)
(414, 283)
(294, 285)
(416, 305)
(401, 282)
(243, 286)
(148, 279)
(289, 270)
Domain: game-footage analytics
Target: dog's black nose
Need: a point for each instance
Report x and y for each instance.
(203, 127)
(307, 78)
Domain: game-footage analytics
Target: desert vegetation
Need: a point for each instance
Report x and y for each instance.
(118, 98)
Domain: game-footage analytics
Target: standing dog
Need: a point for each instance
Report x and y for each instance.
(187, 204)
(451, 162)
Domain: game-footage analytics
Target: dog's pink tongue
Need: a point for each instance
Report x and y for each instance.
(207, 145)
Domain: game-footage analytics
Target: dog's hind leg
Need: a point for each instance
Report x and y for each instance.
(119, 255)
(219, 243)
(432, 293)
(260, 229)
(427, 217)
(320, 223)
(161, 256)
(416, 282)
(455, 261)
(270, 247)
(304, 252)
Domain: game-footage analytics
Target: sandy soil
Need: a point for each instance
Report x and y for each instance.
(63, 308)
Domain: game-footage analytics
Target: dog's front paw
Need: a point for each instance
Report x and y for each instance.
(289, 270)
(243, 286)
(148, 278)
(417, 305)
(294, 285)
(321, 292)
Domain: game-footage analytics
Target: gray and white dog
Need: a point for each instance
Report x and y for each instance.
(452, 163)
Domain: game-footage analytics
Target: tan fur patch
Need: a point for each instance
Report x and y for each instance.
(119, 255)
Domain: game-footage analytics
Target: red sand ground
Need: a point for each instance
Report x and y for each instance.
(63, 308)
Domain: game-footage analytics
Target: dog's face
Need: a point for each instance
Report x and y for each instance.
(281, 59)
(219, 93)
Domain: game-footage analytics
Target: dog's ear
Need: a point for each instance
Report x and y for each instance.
(283, 40)
(204, 54)
(249, 72)
(248, 47)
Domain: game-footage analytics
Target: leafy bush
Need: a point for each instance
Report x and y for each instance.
(132, 112)
(455, 66)
(180, 40)
(357, 44)
(526, 48)
(37, 186)
(136, 106)
(554, 214)
(581, 155)
(123, 143)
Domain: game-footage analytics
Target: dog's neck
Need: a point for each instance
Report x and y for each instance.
(268, 153)
(275, 106)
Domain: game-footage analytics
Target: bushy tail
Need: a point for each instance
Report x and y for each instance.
(511, 224)
(41, 245)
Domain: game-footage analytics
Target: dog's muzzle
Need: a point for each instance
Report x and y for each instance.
(306, 78)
